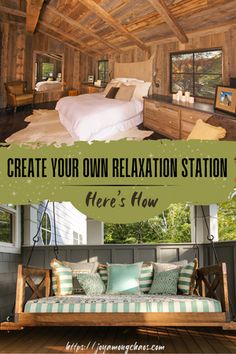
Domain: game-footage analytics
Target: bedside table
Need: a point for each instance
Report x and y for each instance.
(90, 88)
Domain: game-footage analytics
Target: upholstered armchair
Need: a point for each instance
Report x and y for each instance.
(17, 94)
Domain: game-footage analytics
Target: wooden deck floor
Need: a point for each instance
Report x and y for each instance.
(87, 339)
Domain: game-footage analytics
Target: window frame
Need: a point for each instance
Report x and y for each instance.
(47, 215)
(193, 74)
(101, 61)
(15, 245)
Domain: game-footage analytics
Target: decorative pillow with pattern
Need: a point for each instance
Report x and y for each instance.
(145, 279)
(61, 279)
(187, 278)
(92, 284)
(165, 283)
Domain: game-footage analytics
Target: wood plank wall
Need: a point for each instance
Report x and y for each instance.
(17, 56)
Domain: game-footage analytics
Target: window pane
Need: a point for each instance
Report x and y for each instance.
(208, 62)
(205, 85)
(44, 236)
(46, 229)
(47, 68)
(182, 82)
(5, 226)
(182, 63)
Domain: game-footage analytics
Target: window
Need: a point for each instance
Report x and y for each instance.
(197, 72)
(7, 223)
(47, 69)
(46, 229)
(75, 238)
(103, 70)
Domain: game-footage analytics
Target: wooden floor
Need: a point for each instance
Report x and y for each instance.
(169, 340)
(11, 122)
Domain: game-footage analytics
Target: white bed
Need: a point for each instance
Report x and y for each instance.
(106, 118)
(43, 86)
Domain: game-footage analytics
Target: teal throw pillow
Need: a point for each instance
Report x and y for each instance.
(123, 278)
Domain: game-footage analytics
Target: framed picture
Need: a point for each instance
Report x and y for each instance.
(225, 99)
(91, 79)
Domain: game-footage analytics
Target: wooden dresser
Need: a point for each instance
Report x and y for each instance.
(90, 88)
(176, 120)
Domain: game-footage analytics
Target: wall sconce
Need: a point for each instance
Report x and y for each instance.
(156, 81)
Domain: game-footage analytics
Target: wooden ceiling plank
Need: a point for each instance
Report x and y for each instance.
(8, 10)
(33, 8)
(105, 16)
(86, 30)
(82, 47)
(163, 10)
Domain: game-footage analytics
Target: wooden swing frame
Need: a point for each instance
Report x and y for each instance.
(211, 282)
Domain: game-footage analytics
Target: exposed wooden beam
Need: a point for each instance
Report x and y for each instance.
(82, 28)
(162, 9)
(105, 16)
(82, 47)
(33, 8)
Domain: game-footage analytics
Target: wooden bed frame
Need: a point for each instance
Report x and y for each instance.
(211, 282)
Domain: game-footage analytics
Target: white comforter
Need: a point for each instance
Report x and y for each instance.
(48, 86)
(85, 116)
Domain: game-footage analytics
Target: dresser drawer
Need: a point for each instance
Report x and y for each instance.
(188, 115)
(186, 128)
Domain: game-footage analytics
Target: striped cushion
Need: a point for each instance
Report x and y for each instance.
(62, 283)
(145, 280)
(123, 303)
(187, 278)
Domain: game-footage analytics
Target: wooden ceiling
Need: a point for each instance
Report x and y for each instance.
(102, 26)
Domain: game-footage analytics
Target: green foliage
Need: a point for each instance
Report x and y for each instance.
(173, 225)
(227, 220)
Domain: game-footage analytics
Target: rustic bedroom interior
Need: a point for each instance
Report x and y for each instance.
(67, 67)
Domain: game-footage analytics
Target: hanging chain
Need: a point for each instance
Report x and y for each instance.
(36, 237)
(210, 237)
(56, 248)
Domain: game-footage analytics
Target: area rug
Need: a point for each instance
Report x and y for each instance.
(45, 128)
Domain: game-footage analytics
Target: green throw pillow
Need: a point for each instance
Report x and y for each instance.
(145, 280)
(92, 284)
(186, 278)
(123, 278)
(165, 282)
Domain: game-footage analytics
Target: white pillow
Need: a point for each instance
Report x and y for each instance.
(141, 89)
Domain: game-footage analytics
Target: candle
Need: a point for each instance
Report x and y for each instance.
(183, 99)
(180, 93)
(187, 95)
(191, 99)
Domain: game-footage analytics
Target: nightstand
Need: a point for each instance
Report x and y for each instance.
(90, 88)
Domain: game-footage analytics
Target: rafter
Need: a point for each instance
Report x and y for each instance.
(33, 8)
(161, 7)
(105, 16)
(82, 28)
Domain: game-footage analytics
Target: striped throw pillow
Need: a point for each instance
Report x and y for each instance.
(187, 278)
(145, 280)
(62, 283)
